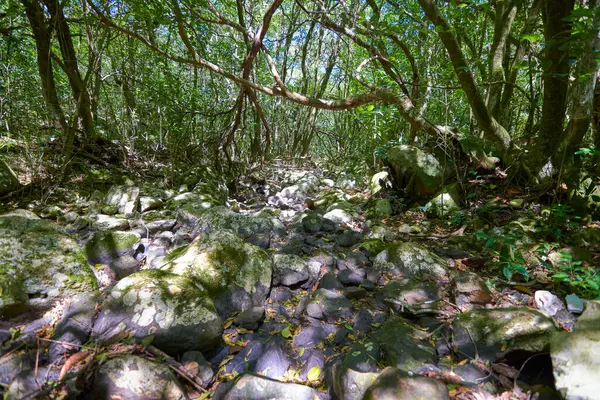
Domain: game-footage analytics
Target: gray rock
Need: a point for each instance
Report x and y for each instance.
(10, 366)
(411, 259)
(125, 197)
(109, 223)
(492, 333)
(328, 305)
(469, 291)
(8, 179)
(195, 363)
(289, 270)
(574, 303)
(39, 264)
(250, 318)
(348, 239)
(411, 295)
(179, 314)
(148, 203)
(133, 377)
(445, 202)
(250, 386)
(576, 356)
(409, 163)
(395, 384)
(103, 247)
(379, 181)
(357, 372)
(339, 216)
(236, 274)
(124, 266)
(547, 302)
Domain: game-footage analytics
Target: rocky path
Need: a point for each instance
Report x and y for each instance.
(145, 293)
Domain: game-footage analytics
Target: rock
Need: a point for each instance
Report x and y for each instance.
(179, 314)
(236, 274)
(379, 181)
(52, 212)
(11, 366)
(311, 222)
(125, 197)
(576, 356)
(124, 266)
(492, 333)
(109, 209)
(396, 384)
(547, 302)
(410, 259)
(8, 179)
(103, 247)
(250, 318)
(379, 208)
(410, 161)
(356, 373)
(349, 239)
(328, 305)
(148, 203)
(289, 270)
(574, 303)
(339, 216)
(39, 264)
(403, 346)
(108, 223)
(195, 363)
(411, 295)
(348, 277)
(133, 377)
(249, 386)
(469, 290)
(446, 202)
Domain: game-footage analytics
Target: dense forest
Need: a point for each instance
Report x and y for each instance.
(333, 199)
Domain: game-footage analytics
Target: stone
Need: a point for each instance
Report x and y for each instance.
(411, 163)
(124, 266)
(469, 291)
(349, 277)
(379, 181)
(104, 247)
(394, 384)
(411, 259)
(357, 372)
(194, 363)
(349, 239)
(380, 208)
(547, 302)
(328, 305)
(492, 333)
(445, 202)
(404, 346)
(11, 366)
(576, 356)
(237, 275)
(8, 179)
(148, 203)
(339, 216)
(249, 386)
(39, 264)
(575, 304)
(125, 197)
(174, 310)
(411, 295)
(134, 377)
(311, 222)
(250, 318)
(289, 270)
(109, 223)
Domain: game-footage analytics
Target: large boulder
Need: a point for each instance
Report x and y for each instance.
(492, 333)
(104, 247)
(179, 314)
(124, 197)
(133, 377)
(237, 275)
(396, 384)
(39, 264)
(8, 179)
(576, 356)
(410, 259)
(411, 164)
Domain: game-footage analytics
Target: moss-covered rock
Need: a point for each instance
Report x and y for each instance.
(411, 259)
(39, 264)
(103, 247)
(379, 181)
(411, 164)
(129, 376)
(176, 311)
(445, 202)
(236, 274)
(396, 384)
(379, 208)
(492, 333)
(125, 197)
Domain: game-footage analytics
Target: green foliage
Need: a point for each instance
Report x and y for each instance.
(508, 258)
(585, 279)
(558, 220)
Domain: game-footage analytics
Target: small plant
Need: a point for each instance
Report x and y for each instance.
(509, 258)
(585, 279)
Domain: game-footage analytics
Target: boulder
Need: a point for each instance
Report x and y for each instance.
(339, 216)
(125, 197)
(492, 333)
(133, 377)
(379, 208)
(357, 372)
(379, 181)
(179, 314)
(148, 203)
(249, 386)
(576, 356)
(328, 305)
(289, 270)
(395, 384)
(409, 163)
(104, 247)
(445, 202)
(411, 295)
(237, 275)
(469, 291)
(109, 223)
(8, 179)
(410, 259)
(39, 264)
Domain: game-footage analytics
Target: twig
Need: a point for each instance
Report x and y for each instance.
(177, 367)
(68, 344)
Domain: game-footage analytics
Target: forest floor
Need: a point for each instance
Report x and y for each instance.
(312, 286)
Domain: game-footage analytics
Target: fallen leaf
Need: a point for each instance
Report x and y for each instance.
(314, 373)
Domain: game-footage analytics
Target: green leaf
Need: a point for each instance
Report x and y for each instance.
(314, 373)
(286, 333)
(508, 272)
(147, 341)
(348, 327)
(301, 352)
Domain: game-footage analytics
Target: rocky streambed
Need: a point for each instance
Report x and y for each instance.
(150, 293)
